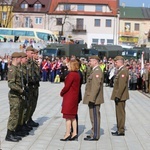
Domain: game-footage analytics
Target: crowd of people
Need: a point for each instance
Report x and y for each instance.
(24, 71)
(55, 70)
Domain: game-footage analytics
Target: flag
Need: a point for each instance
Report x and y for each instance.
(142, 63)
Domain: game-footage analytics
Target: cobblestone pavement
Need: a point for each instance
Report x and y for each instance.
(52, 125)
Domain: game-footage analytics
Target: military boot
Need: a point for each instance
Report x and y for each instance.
(20, 132)
(31, 123)
(11, 136)
(25, 127)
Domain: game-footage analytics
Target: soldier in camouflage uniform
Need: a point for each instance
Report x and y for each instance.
(31, 85)
(14, 95)
(36, 75)
(22, 129)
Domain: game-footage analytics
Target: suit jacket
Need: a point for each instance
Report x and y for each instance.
(5, 67)
(70, 93)
(94, 87)
(120, 89)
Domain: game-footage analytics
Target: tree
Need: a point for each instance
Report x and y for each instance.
(65, 13)
(6, 15)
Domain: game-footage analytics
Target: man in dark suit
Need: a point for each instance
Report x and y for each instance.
(3, 69)
(120, 94)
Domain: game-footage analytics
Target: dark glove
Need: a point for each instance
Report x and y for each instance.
(117, 100)
(26, 89)
(91, 104)
(24, 93)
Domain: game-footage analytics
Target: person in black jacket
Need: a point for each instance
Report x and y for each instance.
(3, 69)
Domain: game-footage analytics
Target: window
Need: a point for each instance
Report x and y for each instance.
(108, 23)
(110, 41)
(80, 22)
(136, 27)
(98, 8)
(4, 15)
(44, 36)
(102, 41)
(94, 41)
(30, 33)
(127, 27)
(27, 22)
(24, 5)
(6, 32)
(17, 18)
(38, 20)
(66, 7)
(58, 21)
(37, 6)
(97, 23)
(19, 33)
(80, 8)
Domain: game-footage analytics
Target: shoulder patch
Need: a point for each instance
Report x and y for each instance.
(97, 75)
(122, 75)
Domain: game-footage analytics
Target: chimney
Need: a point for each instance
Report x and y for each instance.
(143, 5)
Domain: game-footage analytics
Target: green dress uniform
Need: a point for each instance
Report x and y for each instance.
(120, 91)
(94, 98)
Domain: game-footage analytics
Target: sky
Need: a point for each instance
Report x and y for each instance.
(135, 3)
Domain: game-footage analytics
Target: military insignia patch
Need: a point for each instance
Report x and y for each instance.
(122, 76)
(97, 76)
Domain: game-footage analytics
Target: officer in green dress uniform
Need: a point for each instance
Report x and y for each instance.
(120, 94)
(93, 97)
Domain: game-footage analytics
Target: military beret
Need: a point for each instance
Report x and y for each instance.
(30, 49)
(118, 58)
(94, 57)
(23, 54)
(16, 55)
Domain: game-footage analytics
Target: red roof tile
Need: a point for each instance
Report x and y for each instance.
(113, 4)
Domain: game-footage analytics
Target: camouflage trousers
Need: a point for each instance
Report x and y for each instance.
(34, 100)
(14, 102)
(33, 97)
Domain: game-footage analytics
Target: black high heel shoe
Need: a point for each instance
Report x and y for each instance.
(74, 138)
(66, 139)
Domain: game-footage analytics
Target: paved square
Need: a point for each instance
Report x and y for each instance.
(52, 126)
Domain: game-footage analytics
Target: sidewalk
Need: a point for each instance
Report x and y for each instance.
(52, 126)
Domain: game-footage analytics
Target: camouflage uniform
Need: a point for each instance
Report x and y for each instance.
(14, 95)
(14, 83)
(36, 78)
(23, 100)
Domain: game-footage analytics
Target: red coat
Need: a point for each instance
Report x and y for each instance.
(70, 93)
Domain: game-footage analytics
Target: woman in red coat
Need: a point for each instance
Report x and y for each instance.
(70, 94)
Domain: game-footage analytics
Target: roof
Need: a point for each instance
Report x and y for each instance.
(31, 9)
(146, 12)
(134, 12)
(113, 4)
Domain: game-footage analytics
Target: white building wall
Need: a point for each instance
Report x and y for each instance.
(91, 33)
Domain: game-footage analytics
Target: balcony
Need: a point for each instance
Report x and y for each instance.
(79, 29)
(130, 33)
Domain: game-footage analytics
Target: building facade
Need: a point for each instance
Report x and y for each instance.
(134, 26)
(31, 13)
(6, 12)
(91, 22)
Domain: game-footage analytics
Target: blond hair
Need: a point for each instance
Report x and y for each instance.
(74, 65)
